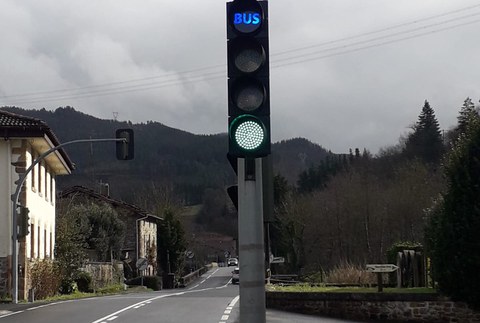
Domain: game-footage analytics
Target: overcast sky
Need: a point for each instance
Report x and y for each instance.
(344, 73)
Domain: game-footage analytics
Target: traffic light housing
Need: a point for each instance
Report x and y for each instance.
(124, 148)
(23, 222)
(248, 79)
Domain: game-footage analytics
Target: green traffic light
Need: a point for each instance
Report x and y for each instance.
(248, 133)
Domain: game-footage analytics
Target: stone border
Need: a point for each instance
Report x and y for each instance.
(383, 307)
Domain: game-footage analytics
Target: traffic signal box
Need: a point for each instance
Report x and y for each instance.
(248, 79)
(125, 149)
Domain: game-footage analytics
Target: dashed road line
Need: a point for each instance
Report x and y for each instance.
(228, 310)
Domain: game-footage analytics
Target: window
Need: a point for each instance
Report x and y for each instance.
(40, 178)
(32, 174)
(32, 241)
(46, 183)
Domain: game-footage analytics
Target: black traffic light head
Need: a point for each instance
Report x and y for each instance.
(248, 78)
(23, 222)
(125, 148)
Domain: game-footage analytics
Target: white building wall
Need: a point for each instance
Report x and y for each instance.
(40, 200)
(42, 212)
(5, 201)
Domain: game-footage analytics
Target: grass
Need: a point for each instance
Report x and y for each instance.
(109, 290)
(307, 288)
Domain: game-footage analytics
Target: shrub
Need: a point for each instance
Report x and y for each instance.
(348, 273)
(46, 278)
(67, 286)
(152, 282)
(84, 282)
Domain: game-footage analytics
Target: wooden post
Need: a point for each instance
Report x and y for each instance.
(379, 282)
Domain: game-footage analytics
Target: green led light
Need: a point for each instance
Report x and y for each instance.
(249, 135)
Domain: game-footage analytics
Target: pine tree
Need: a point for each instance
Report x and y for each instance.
(466, 114)
(425, 142)
(455, 224)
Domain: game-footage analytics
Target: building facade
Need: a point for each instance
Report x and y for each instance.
(23, 140)
(141, 228)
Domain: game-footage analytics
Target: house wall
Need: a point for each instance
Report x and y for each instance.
(5, 216)
(38, 194)
(148, 239)
(5, 201)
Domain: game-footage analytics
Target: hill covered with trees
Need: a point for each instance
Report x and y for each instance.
(164, 157)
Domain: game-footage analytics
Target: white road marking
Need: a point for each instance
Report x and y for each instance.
(229, 308)
(143, 303)
(9, 314)
(112, 318)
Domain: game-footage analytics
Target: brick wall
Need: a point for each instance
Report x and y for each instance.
(423, 308)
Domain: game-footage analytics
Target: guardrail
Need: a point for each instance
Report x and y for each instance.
(186, 280)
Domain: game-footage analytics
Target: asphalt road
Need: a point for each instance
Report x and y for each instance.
(211, 299)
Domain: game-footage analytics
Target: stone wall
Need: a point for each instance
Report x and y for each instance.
(4, 276)
(423, 308)
(104, 274)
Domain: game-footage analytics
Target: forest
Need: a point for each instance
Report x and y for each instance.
(329, 209)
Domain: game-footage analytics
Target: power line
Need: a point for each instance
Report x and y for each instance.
(194, 75)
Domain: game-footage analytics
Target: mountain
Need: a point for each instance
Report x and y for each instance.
(186, 162)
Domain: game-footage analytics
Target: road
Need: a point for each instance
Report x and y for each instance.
(211, 299)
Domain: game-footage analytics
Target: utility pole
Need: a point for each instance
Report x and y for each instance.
(251, 241)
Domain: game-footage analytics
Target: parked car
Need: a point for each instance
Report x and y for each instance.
(236, 275)
(232, 262)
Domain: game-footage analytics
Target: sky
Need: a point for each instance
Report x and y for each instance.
(343, 73)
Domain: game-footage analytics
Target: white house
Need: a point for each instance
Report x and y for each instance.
(22, 140)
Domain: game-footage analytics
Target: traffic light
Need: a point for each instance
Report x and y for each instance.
(23, 222)
(124, 149)
(248, 79)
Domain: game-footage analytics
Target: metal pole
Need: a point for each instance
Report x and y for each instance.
(14, 199)
(251, 245)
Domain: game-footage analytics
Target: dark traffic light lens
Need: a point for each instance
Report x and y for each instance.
(248, 95)
(248, 56)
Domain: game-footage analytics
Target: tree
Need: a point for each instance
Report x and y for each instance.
(71, 232)
(455, 222)
(466, 114)
(108, 231)
(171, 243)
(425, 142)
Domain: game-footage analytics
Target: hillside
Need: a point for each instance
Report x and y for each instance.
(163, 156)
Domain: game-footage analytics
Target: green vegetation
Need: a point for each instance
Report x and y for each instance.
(453, 234)
(307, 288)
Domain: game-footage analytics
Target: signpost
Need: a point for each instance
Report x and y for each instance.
(142, 264)
(379, 269)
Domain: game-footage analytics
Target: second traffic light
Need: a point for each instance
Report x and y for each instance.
(125, 148)
(248, 79)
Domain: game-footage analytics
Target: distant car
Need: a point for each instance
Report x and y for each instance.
(232, 262)
(235, 275)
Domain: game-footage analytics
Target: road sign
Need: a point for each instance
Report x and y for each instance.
(142, 264)
(277, 260)
(381, 268)
(189, 254)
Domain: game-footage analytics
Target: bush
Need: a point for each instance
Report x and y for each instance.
(45, 277)
(152, 282)
(84, 282)
(350, 274)
(67, 286)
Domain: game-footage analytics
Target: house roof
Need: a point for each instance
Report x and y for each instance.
(18, 126)
(81, 190)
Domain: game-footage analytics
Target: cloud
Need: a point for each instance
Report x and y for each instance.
(344, 74)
